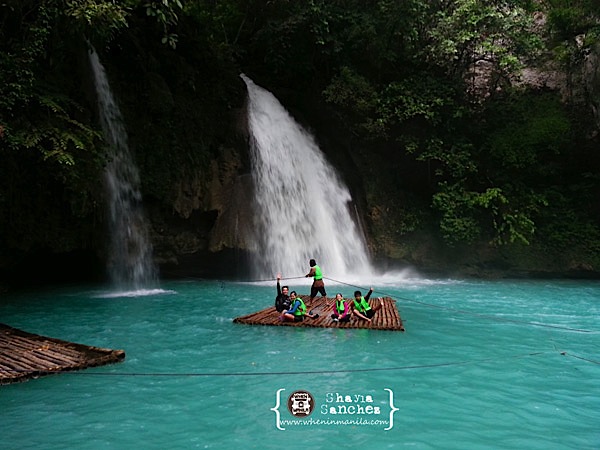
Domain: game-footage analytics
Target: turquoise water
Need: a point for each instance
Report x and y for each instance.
(502, 365)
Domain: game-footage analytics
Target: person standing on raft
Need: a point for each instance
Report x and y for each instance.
(318, 284)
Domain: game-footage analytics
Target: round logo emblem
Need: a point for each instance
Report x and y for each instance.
(301, 403)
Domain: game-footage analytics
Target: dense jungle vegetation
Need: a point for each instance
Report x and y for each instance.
(427, 100)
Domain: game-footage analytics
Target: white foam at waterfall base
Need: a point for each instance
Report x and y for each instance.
(303, 208)
(135, 293)
(130, 253)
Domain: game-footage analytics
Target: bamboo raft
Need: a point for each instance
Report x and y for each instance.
(24, 356)
(387, 318)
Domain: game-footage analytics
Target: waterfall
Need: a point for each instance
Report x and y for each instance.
(303, 207)
(130, 257)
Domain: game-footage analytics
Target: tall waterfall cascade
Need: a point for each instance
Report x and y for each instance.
(130, 262)
(304, 209)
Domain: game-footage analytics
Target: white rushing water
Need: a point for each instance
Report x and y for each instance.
(130, 259)
(303, 206)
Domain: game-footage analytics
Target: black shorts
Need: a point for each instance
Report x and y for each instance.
(369, 314)
(316, 289)
(298, 318)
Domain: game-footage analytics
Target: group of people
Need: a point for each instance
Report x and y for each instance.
(293, 308)
(343, 309)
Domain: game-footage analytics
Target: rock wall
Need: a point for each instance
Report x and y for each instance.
(212, 214)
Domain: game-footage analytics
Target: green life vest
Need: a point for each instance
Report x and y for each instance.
(362, 306)
(318, 273)
(301, 309)
(339, 306)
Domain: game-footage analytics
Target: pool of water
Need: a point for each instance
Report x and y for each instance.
(494, 364)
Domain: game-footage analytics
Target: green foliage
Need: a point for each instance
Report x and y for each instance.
(499, 175)
(527, 131)
(574, 28)
(466, 31)
(51, 155)
(220, 22)
(99, 20)
(415, 98)
(454, 160)
(52, 131)
(296, 37)
(22, 44)
(355, 97)
(467, 215)
(36, 116)
(568, 18)
(567, 228)
(422, 106)
(457, 223)
(165, 12)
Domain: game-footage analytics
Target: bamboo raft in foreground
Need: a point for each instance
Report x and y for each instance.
(387, 318)
(25, 355)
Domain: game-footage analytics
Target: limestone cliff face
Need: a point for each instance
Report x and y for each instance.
(232, 197)
(212, 210)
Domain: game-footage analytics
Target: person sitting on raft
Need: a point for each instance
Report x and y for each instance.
(361, 306)
(297, 311)
(341, 309)
(282, 301)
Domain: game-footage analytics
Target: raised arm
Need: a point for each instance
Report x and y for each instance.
(278, 284)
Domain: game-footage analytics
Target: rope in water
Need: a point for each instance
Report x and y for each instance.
(307, 372)
(445, 308)
(462, 311)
